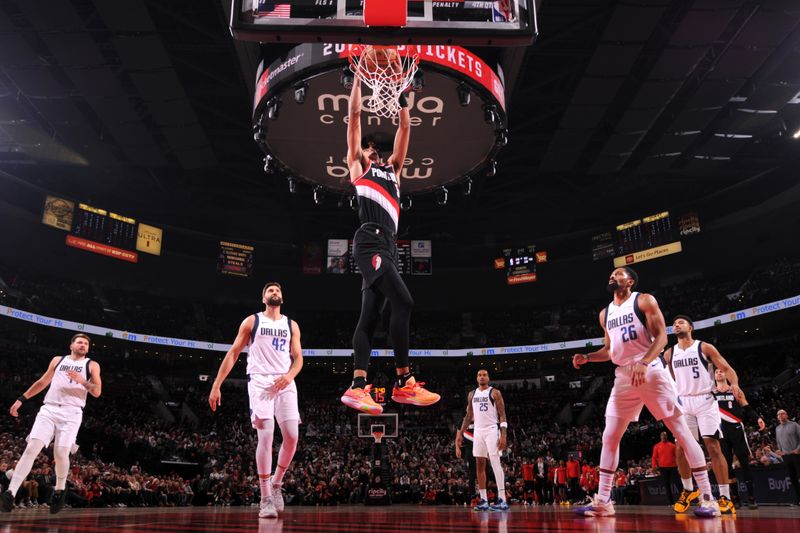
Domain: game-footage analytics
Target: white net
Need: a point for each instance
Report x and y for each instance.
(387, 74)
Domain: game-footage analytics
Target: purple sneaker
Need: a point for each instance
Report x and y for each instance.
(596, 508)
(709, 508)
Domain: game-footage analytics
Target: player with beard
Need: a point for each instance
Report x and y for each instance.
(274, 359)
(375, 251)
(635, 334)
(690, 363)
(734, 408)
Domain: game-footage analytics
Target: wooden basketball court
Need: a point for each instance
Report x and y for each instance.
(398, 518)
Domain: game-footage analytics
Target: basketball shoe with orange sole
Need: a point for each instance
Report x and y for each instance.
(413, 393)
(360, 400)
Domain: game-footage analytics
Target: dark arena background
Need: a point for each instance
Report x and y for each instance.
(160, 161)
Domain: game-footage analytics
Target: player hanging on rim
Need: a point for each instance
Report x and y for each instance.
(273, 362)
(689, 362)
(734, 408)
(635, 334)
(375, 251)
(485, 406)
(70, 377)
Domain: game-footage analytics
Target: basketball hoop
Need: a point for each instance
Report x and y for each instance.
(377, 431)
(387, 73)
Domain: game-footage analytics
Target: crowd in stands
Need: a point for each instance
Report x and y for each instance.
(217, 322)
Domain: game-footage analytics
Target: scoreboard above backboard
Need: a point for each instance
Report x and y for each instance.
(645, 238)
(459, 22)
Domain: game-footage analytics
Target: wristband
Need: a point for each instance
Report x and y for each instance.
(22, 398)
(403, 99)
(504, 425)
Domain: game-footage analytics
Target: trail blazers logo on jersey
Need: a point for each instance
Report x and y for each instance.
(376, 261)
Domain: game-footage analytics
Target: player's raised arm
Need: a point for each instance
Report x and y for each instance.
(297, 359)
(38, 386)
(401, 138)
(242, 340)
(354, 155)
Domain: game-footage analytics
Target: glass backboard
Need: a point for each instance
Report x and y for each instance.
(458, 22)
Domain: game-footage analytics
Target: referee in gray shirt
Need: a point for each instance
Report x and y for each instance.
(787, 433)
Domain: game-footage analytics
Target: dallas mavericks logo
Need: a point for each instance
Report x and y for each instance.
(376, 261)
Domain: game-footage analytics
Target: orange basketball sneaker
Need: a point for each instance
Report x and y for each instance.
(360, 400)
(413, 393)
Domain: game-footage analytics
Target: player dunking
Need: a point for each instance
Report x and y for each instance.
(734, 408)
(690, 362)
(70, 377)
(485, 406)
(274, 359)
(635, 334)
(375, 251)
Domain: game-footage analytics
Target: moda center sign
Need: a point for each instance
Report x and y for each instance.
(452, 136)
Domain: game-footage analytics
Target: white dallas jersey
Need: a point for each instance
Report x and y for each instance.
(269, 345)
(64, 391)
(692, 370)
(627, 331)
(484, 411)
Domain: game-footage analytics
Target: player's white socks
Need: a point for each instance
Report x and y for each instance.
(265, 484)
(687, 484)
(61, 456)
(291, 434)
(264, 458)
(484, 496)
(604, 485)
(499, 476)
(24, 465)
(694, 453)
(609, 456)
(725, 490)
(703, 484)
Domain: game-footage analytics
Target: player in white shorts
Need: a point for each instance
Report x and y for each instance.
(689, 362)
(635, 334)
(486, 408)
(70, 378)
(274, 359)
